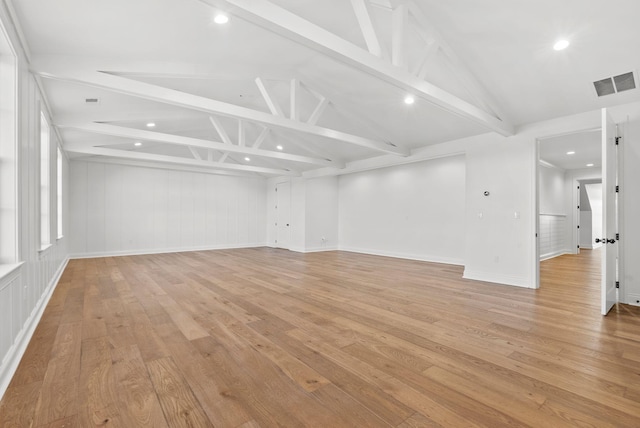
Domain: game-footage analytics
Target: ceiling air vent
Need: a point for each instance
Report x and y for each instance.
(91, 100)
(615, 84)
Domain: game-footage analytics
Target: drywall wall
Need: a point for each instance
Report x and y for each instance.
(552, 218)
(321, 223)
(413, 211)
(119, 209)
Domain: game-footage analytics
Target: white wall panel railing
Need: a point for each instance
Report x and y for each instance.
(553, 229)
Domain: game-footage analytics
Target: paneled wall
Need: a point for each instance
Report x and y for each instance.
(119, 209)
(414, 211)
(28, 272)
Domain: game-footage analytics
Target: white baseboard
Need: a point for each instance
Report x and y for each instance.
(407, 256)
(143, 252)
(17, 350)
(548, 256)
(517, 281)
(313, 250)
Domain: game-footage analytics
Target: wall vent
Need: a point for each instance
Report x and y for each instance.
(615, 84)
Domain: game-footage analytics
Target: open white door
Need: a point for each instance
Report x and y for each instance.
(283, 214)
(609, 212)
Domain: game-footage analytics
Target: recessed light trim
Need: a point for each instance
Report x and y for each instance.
(247, 158)
(151, 125)
(137, 144)
(571, 152)
(561, 45)
(221, 18)
(409, 99)
(589, 164)
(279, 147)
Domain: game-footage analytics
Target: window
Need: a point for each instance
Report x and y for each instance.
(8, 154)
(59, 182)
(45, 180)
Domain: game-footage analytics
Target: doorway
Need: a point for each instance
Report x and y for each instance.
(283, 215)
(569, 201)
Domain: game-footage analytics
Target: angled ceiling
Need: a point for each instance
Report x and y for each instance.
(294, 86)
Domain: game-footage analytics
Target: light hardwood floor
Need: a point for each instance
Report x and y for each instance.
(265, 338)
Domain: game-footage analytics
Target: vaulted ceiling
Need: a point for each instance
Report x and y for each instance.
(290, 86)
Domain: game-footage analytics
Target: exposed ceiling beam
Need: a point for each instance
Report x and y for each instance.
(287, 24)
(362, 9)
(141, 134)
(127, 154)
(112, 82)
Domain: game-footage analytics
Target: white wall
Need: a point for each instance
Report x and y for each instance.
(28, 273)
(321, 224)
(414, 211)
(119, 209)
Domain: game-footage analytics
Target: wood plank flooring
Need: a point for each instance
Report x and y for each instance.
(270, 338)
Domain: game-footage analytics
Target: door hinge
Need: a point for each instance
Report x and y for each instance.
(617, 284)
(578, 206)
(617, 189)
(617, 236)
(578, 246)
(618, 140)
(578, 226)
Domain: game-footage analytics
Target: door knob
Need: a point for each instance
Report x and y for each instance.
(600, 240)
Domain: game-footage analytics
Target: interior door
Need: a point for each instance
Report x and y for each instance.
(609, 213)
(283, 214)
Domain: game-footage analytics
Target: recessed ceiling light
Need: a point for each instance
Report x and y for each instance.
(137, 144)
(248, 159)
(150, 125)
(571, 153)
(221, 18)
(589, 164)
(279, 147)
(409, 99)
(561, 45)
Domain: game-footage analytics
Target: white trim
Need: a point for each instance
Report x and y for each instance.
(553, 254)
(407, 256)
(518, 281)
(143, 252)
(16, 351)
(8, 272)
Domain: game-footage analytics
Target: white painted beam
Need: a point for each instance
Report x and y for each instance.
(362, 9)
(126, 154)
(224, 157)
(182, 99)
(273, 105)
(287, 24)
(141, 134)
(220, 130)
(241, 133)
(261, 138)
(399, 21)
(194, 153)
(294, 113)
(317, 112)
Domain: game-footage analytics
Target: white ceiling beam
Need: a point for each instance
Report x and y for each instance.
(294, 113)
(241, 133)
(210, 155)
(287, 24)
(141, 134)
(222, 133)
(261, 138)
(317, 112)
(126, 154)
(182, 99)
(166, 166)
(194, 153)
(424, 60)
(362, 9)
(224, 157)
(428, 32)
(273, 105)
(399, 21)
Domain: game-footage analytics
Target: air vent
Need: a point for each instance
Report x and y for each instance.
(91, 100)
(615, 84)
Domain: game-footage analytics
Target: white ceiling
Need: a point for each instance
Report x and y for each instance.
(489, 68)
(586, 148)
